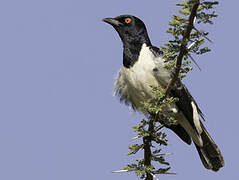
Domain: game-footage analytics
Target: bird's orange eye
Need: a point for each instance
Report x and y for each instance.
(127, 20)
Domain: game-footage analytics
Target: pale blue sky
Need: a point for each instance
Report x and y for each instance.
(58, 118)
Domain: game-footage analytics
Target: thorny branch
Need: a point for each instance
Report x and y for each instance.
(183, 47)
(182, 53)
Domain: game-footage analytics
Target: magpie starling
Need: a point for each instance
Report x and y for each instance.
(144, 67)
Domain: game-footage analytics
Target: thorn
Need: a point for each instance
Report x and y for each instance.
(194, 20)
(195, 62)
(120, 171)
(189, 47)
(163, 154)
(159, 127)
(155, 177)
(170, 173)
(136, 137)
(203, 35)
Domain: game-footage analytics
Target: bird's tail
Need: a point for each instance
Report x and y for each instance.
(209, 153)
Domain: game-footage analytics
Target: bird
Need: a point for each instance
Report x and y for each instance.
(143, 68)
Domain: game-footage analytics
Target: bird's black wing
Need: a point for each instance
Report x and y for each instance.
(184, 101)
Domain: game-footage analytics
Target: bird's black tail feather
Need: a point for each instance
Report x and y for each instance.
(210, 154)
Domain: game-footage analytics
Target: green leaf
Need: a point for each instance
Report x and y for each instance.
(135, 148)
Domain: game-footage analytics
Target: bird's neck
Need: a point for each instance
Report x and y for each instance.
(132, 49)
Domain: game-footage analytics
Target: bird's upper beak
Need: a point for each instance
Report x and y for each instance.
(112, 21)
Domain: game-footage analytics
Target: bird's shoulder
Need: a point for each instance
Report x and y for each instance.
(161, 73)
(156, 51)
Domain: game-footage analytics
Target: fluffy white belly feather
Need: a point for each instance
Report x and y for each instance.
(134, 85)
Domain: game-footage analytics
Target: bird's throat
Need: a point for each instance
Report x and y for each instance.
(132, 48)
(131, 53)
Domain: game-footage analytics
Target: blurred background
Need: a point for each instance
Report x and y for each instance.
(58, 118)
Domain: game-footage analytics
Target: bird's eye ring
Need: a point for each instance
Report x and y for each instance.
(127, 20)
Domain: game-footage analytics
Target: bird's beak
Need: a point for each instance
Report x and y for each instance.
(112, 21)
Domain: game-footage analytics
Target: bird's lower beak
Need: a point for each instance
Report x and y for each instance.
(112, 21)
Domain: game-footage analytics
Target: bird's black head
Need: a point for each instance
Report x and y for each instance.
(130, 29)
(133, 34)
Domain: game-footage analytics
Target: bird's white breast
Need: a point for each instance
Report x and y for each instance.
(141, 74)
(136, 82)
